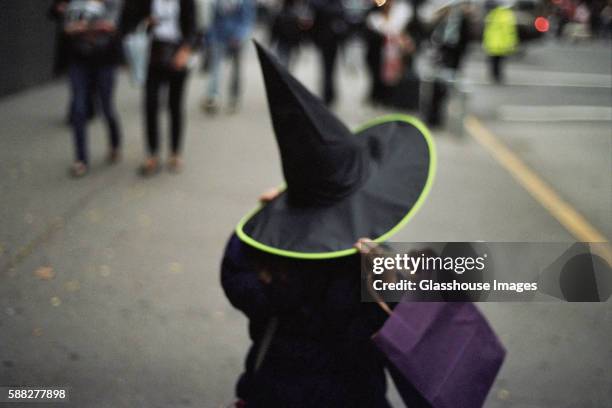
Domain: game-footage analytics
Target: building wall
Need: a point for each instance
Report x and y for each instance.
(27, 44)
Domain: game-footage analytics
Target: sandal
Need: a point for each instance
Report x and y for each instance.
(78, 169)
(210, 106)
(149, 168)
(175, 164)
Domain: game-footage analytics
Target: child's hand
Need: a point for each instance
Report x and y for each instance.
(78, 27)
(181, 59)
(269, 195)
(366, 245)
(150, 22)
(104, 26)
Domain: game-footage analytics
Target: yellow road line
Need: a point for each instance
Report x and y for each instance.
(563, 212)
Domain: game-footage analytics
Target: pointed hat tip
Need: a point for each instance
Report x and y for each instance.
(262, 53)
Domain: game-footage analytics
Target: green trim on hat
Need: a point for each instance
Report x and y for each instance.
(433, 162)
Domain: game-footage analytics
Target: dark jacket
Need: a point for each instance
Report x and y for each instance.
(135, 11)
(286, 26)
(330, 22)
(90, 48)
(321, 354)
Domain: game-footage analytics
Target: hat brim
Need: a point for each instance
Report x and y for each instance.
(403, 165)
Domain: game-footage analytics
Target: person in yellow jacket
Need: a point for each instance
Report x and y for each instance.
(500, 38)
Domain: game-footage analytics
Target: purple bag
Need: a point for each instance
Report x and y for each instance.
(447, 352)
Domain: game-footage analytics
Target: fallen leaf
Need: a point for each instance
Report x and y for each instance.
(104, 271)
(55, 301)
(59, 221)
(144, 220)
(109, 253)
(139, 192)
(26, 167)
(503, 394)
(37, 332)
(45, 273)
(175, 267)
(72, 286)
(94, 216)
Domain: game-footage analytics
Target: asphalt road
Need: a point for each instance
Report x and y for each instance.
(555, 113)
(110, 285)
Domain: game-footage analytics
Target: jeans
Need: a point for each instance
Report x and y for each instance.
(218, 50)
(175, 81)
(83, 79)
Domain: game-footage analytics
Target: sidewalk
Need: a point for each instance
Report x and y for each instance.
(133, 315)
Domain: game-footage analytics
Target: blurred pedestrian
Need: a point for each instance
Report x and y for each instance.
(564, 11)
(500, 39)
(417, 28)
(352, 50)
(292, 268)
(451, 35)
(388, 47)
(172, 26)
(94, 49)
(329, 29)
(596, 8)
(289, 26)
(231, 25)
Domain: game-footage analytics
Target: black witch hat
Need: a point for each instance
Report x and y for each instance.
(341, 186)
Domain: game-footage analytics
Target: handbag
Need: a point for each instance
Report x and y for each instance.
(393, 64)
(136, 48)
(440, 354)
(446, 352)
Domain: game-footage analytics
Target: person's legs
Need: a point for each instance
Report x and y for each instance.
(105, 85)
(217, 52)
(373, 62)
(175, 104)
(500, 69)
(154, 80)
(236, 82)
(91, 105)
(329, 52)
(496, 68)
(91, 101)
(79, 75)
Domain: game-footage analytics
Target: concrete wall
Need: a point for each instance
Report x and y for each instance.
(27, 44)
